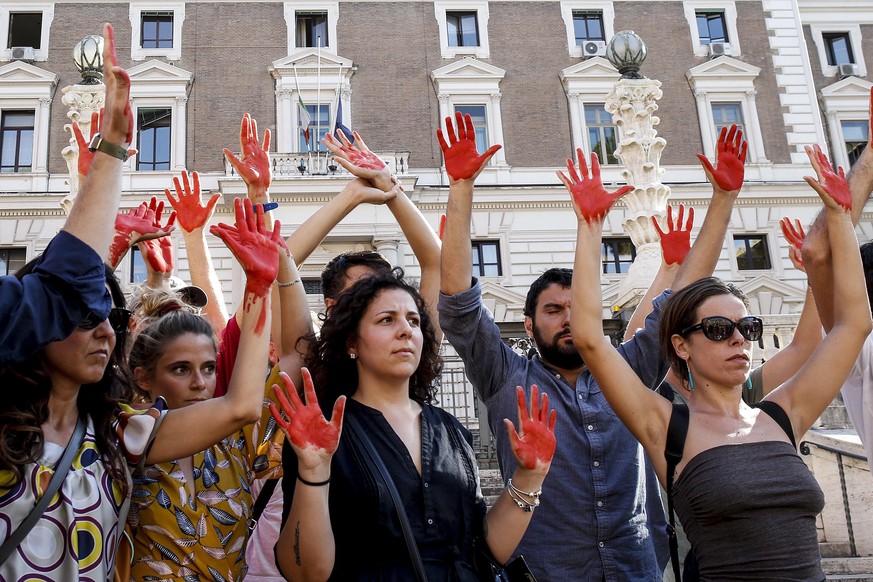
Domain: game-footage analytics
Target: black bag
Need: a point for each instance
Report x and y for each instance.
(489, 570)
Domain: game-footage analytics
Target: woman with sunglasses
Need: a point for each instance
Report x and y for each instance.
(731, 449)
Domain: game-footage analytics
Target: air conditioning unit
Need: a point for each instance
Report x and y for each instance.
(22, 53)
(847, 70)
(719, 49)
(594, 48)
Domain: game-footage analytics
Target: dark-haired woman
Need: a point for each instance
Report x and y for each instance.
(377, 360)
(730, 448)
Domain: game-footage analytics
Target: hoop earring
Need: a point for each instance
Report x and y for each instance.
(690, 377)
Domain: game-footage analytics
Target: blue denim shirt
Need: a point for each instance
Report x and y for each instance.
(47, 304)
(600, 516)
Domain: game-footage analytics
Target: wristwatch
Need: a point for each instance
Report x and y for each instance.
(114, 150)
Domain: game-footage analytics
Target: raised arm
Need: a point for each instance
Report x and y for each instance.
(463, 165)
(675, 244)
(257, 250)
(193, 217)
(805, 396)
(158, 253)
(726, 179)
(306, 549)
(643, 411)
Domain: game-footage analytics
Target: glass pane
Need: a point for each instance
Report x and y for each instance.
(726, 114)
(18, 119)
(25, 149)
(489, 253)
(25, 29)
(319, 124)
(17, 258)
(840, 49)
(702, 29)
(716, 29)
(477, 113)
(138, 272)
(8, 150)
(469, 30)
(4, 263)
(452, 30)
(855, 137)
(490, 271)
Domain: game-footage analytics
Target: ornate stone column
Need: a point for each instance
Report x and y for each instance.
(82, 100)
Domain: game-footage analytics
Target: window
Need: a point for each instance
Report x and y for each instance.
(312, 285)
(588, 25)
(618, 255)
(601, 133)
(153, 139)
(751, 252)
(319, 125)
(711, 27)
(12, 259)
(157, 30)
(726, 114)
(16, 147)
(462, 29)
(138, 271)
(477, 114)
(25, 29)
(855, 138)
(312, 29)
(486, 259)
(839, 48)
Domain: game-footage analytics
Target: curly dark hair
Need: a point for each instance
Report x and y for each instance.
(680, 312)
(335, 374)
(24, 407)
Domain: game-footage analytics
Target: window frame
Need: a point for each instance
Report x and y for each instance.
(160, 17)
(7, 249)
(602, 154)
(729, 9)
(25, 87)
(609, 240)
(818, 32)
(441, 9)
(477, 247)
(136, 12)
(18, 148)
(846, 100)
(607, 15)
(708, 15)
(765, 240)
(828, 38)
(331, 9)
(48, 14)
(138, 139)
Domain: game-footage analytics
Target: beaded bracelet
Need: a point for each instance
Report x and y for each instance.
(289, 283)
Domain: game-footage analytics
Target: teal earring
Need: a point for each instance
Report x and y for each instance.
(749, 382)
(690, 377)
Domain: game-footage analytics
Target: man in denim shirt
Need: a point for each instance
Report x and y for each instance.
(600, 516)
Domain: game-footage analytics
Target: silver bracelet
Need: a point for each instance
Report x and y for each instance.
(289, 283)
(532, 494)
(522, 503)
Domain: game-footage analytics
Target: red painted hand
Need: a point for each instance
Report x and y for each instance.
(158, 253)
(591, 201)
(534, 445)
(138, 225)
(86, 156)
(189, 206)
(730, 161)
(795, 236)
(676, 241)
(312, 436)
(831, 186)
(254, 167)
(117, 124)
(442, 229)
(463, 161)
(359, 160)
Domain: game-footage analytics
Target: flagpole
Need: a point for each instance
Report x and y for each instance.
(318, 98)
(299, 101)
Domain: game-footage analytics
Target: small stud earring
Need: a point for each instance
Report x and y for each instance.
(353, 355)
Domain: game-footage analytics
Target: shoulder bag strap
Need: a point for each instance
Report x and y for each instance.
(261, 502)
(61, 470)
(676, 432)
(378, 467)
(778, 414)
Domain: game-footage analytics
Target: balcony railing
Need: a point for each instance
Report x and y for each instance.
(298, 164)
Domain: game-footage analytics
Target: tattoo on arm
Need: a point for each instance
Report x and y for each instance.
(297, 544)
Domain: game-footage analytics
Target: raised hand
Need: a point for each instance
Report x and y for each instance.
(313, 438)
(591, 201)
(534, 444)
(158, 253)
(117, 123)
(795, 236)
(463, 162)
(728, 174)
(138, 225)
(253, 245)
(254, 167)
(676, 241)
(831, 186)
(366, 193)
(86, 156)
(359, 160)
(190, 211)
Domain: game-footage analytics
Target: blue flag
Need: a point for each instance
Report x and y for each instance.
(338, 125)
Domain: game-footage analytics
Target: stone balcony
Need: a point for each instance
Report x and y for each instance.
(292, 165)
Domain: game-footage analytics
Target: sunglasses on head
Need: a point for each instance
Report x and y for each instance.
(718, 328)
(118, 319)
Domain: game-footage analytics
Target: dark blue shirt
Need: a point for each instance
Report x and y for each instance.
(47, 304)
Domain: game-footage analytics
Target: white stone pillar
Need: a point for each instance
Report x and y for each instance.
(632, 103)
(284, 121)
(180, 139)
(576, 120)
(388, 249)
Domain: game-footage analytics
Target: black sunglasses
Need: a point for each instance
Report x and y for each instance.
(118, 319)
(719, 328)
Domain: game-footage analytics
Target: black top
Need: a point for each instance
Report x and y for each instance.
(444, 504)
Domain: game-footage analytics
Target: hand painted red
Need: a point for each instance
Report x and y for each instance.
(534, 445)
(591, 201)
(795, 236)
(191, 212)
(306, 428)
(463, 161)
(359, 160)
(138, 225)
(676, 241)
(730, 160)
(442, 229)
(86, 156)
(831, 186)
(117, 125)
(254, 167)
(159, 252)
